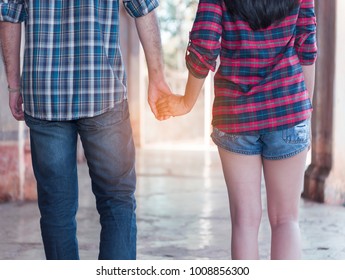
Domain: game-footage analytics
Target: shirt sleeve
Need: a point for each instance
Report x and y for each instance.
(138, 8)
(305, 43)
(12, 11)
(204, 38)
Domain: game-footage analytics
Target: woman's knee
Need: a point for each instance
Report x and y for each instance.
(277, 221)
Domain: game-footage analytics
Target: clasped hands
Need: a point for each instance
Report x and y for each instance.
(165, 104)
(171, 105)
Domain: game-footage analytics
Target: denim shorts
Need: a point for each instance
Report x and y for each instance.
(272, 145)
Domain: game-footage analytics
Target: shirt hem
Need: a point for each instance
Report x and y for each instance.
(77, 117)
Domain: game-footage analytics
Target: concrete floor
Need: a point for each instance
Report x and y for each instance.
(182, 214)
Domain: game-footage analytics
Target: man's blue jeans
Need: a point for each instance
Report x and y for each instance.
(109, 149)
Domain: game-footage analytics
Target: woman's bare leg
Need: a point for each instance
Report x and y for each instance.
(243, 179)
(284, 181)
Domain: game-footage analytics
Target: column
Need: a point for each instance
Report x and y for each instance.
(325, 177)
(334, 192)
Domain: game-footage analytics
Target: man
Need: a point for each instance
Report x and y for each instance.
(73, 82)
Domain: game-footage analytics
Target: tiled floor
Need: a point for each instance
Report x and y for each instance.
(182, 214)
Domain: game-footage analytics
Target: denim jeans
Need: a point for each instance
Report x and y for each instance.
(110, 154)
(275, 145)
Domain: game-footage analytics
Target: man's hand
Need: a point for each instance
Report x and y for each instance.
(16, 106)
(156, 92)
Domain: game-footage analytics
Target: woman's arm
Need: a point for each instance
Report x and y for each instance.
(305, 43)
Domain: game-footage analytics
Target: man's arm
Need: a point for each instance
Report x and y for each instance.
(10, 41)
(149, 34)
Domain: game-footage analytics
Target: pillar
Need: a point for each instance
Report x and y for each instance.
(334, 190)
(325, 177)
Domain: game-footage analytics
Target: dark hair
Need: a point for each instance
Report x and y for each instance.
(261, 13)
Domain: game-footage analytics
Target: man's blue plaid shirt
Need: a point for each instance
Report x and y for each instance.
(72, 60)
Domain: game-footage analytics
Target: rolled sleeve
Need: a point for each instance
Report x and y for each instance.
(12, 11)
(139, 8)
(305, 44)
(204, 44)
(200, 61)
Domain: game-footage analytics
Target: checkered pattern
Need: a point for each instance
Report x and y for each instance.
(12, 11)
(259, 85)
(72, 64)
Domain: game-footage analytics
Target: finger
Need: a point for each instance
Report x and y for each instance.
(17, 111)
(18, 115)
(164, 112)
(163, 109)
(20, 101)
(161, 101)
(162, 115)
(163, 118)
(153, 108)
(166, 103)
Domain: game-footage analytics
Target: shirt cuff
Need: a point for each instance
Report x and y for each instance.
(195, 66)
(307, 49)
(139, 8)
(12, 11)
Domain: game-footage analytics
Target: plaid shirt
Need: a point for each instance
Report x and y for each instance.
(259, 85)
(72, 63)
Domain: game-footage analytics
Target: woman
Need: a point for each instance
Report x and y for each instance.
(261, 111)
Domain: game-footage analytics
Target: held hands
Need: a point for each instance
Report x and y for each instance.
(172, 106)
(177, 105)
(157, 90)
(164, 104)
